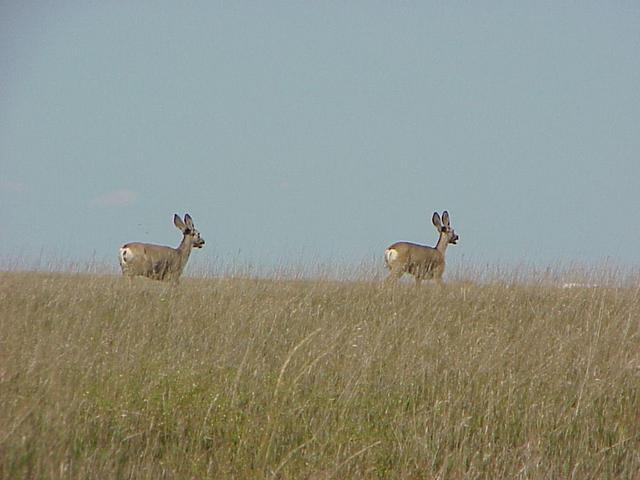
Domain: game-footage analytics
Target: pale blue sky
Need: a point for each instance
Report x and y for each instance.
(322, 131)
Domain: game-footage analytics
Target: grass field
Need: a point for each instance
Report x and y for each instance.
(275, 378)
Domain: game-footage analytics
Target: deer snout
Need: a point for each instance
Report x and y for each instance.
(454, 239)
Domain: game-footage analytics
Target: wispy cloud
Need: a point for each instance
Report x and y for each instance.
(12, 187)
(116, 198)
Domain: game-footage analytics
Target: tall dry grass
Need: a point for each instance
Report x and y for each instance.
(250, 378)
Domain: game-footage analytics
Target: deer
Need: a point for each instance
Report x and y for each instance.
(421, 261)
(158, 262)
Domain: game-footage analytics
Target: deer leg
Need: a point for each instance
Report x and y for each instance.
(129, 278)
(394, 275)
(438, 277)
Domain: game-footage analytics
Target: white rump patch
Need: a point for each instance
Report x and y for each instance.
(390, 256)
(125, 255)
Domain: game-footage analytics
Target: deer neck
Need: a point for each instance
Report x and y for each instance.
(184, 250)
(443, 242)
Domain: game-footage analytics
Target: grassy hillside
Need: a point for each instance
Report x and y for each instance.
(245, 378)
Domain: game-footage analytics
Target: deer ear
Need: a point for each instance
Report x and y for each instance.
(445, 219)
(188, 221)
(177, 221)
(436, 221)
